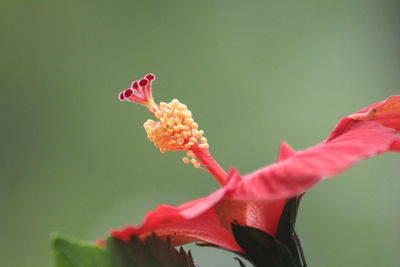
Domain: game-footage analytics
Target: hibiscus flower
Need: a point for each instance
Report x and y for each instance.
(256, 199)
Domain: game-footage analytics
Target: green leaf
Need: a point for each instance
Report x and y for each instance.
(69, 252)
(261, 248)
(152, 252)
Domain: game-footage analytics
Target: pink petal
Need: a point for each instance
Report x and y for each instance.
(298, 173)
(285, 151)
(196, 220)
(386, 112)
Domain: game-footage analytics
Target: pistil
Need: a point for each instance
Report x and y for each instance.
(174, 129)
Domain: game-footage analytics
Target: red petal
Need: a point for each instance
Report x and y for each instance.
(196, 220)
(396, 145)
(285, 151)
(386, 112)
(298, 173)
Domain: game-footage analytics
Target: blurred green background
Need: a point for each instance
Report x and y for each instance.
(254, 73)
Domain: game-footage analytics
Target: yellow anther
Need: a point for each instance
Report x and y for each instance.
(163, 105)
(180, 141)
(198, 134)
(186, 160)
(194, 126)
(189, 121)
(204, 146)
(182, 107)
(190, 154)
(203, 140)
(158, 114)
(150, 122)
(171, 142)
(175, 103)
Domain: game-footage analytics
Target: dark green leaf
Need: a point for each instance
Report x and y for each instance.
(286, 231)
(261, 248)
(152, 252)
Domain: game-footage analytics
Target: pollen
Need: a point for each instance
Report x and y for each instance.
(176, 130)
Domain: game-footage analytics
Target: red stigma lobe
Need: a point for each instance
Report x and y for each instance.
(128, 93)
(150, 77)
(121, 96)
(143, 82)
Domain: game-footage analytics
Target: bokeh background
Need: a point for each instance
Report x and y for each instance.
(75, 159)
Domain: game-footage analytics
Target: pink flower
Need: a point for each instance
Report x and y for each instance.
(256, 199)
